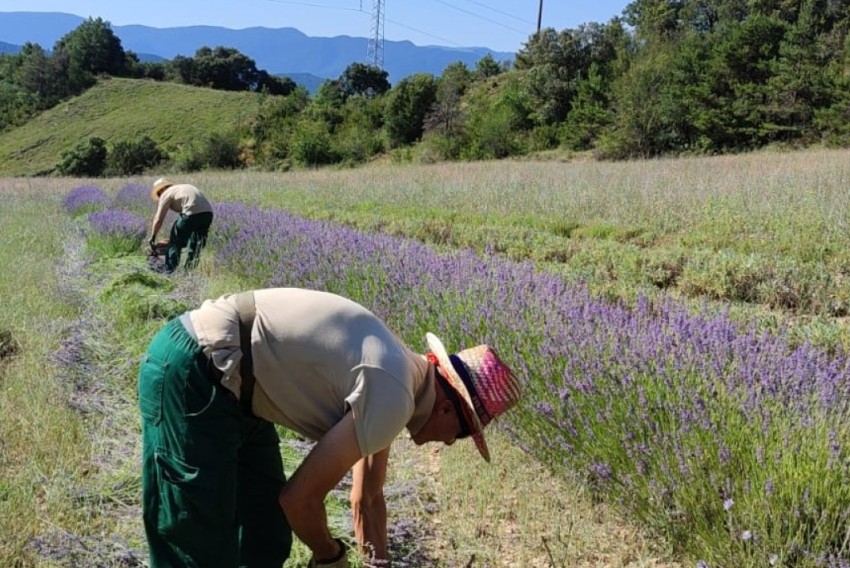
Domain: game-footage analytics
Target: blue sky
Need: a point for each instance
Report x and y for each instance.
(502, 25)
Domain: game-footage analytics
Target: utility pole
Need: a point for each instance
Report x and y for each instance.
(539, 16)
(375, 51)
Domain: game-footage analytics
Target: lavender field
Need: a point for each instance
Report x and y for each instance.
(719, 428)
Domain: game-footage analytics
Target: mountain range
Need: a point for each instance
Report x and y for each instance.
(279, 51)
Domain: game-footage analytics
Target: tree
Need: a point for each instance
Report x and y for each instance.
(590, 113)
(225, 68)
(445, 116)
(330, 93)
(495, 119)
(555, 63)
(93, 48)
(487, 66)
(363, 80)
(655, 20)
(407, 105)
(272, 85)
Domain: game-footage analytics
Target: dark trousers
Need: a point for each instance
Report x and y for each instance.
(211, 473)
(187, 231)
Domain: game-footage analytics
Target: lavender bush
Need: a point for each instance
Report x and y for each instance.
(133, 196)
(136, 198)
(730, 442)
(115, 233)
(85, 199)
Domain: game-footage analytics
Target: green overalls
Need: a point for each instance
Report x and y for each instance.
(211, 472)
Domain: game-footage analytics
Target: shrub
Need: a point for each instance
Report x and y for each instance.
(130, 158)
(86, 159)
(218, 151)
(312, 145)
(221, 151)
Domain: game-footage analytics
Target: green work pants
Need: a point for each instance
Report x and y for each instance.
(187, 231)
(211, 473)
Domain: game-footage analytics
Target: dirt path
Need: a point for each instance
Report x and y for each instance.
(511, 513)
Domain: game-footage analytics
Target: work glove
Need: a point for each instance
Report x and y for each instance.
(340, 562)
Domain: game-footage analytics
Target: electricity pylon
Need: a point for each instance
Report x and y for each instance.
(375, 51)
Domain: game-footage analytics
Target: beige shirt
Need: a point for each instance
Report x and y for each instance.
(316, 355)
(184, 199)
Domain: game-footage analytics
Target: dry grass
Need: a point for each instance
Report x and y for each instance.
(513, 513)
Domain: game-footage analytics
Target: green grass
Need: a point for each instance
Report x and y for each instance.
(41, 443)
(172, 115)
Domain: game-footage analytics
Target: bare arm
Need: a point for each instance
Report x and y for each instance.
(158, 218)
(368, 505)
(303, 496)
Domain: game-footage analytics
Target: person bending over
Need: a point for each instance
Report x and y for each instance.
(191, 227)
(216, 380)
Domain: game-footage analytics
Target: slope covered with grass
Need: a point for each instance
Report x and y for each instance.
(122, 110)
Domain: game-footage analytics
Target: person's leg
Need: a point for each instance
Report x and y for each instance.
(265, 537)
(191, 432)
(176, 241)
(199, 227)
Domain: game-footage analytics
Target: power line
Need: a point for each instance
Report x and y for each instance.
(486, 7)
(401, 25)
(310, 5)
(480, 17)
(424, 33)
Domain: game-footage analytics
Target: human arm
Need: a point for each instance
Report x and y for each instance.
(159, 216)
(368, 506)
(302, 498)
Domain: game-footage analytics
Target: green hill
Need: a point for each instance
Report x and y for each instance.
(122, 109)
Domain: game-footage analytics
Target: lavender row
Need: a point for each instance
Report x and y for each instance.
(672, 413)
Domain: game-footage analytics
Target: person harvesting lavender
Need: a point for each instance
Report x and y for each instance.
(216, 380)
(191, 227)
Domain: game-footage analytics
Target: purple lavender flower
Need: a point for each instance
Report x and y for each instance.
(112, 223)
(85, 199)
(133, 196)
(670, 386)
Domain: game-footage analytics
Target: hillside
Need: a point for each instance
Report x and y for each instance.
(122, 109)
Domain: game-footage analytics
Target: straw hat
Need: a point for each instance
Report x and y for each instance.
(486, 385)
(159, 186)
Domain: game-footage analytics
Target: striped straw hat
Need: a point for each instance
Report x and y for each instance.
(486, 385)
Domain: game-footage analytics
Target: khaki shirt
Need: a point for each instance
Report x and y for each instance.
(316, 355)
(184, 199)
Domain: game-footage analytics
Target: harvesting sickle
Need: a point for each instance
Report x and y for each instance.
(216, 381)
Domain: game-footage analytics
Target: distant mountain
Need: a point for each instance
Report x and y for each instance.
(9, 48)
(306, 80)
(280, 51)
